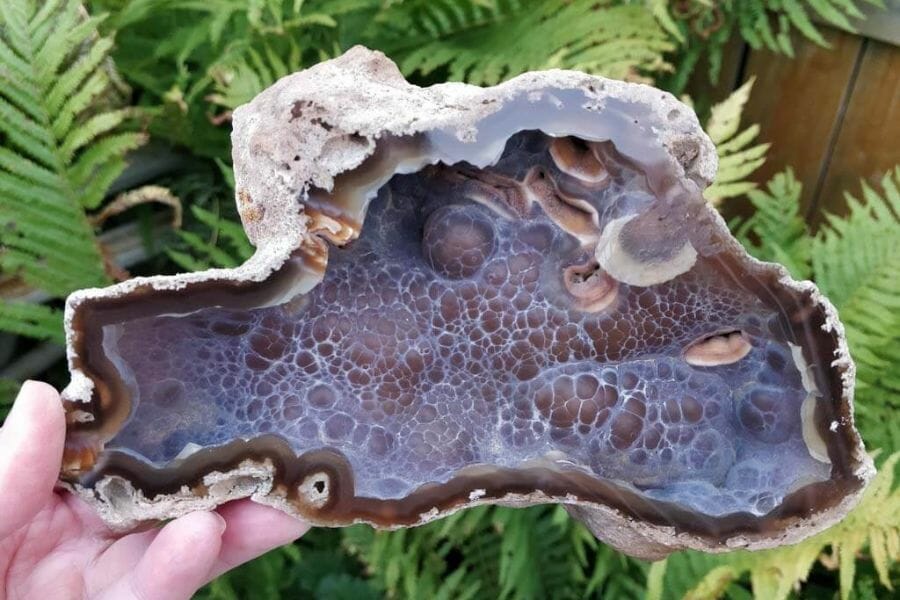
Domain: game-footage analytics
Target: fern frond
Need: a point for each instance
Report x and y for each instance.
(245, 73)
(875, 523)
(538, 552)
(850, 248)
(58, 152)
(856, 260)
(525, 571)
(660, 11)
(776, 231)
(738, 159)
(225, 244)
(99, 156)
(89, 130)
(32, 320)
(704, 27)
(484, 43)
(228, 231)
(753, 20)
(70, 79)
(799, 18)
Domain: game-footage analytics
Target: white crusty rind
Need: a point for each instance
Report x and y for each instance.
(311, 126)
(123, 507)
(347, 104)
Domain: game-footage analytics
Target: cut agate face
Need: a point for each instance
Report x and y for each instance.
(512, 295)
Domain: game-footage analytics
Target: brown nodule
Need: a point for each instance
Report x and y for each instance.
(719, 349)
(573, 215)
(576, 158)
(591, 288)
(80, 455)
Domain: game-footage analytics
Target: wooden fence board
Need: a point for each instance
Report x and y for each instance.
(868, 143)
(798, 104)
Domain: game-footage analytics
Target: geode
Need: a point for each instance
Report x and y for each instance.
(512, 295)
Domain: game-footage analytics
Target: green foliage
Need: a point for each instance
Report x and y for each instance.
(495, 552)
(487, 42)
(875, 524)
(197, 60)
(226, 244)
(314, 567)
(212, 235)
(705, 26)
(263, 578)
(778, 229)
(192, 57)
(737, 158)
(855, 261)
(61, 145)
(485, 552)
(8, 390)
(32, 320)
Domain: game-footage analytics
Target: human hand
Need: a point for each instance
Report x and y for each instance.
(52, 545)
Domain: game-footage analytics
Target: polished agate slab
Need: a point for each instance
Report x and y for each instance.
(514, 295)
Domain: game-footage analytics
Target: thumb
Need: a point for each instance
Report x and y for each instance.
(31, 446)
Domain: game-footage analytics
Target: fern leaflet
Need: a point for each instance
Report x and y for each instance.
(58, 152)
(856, 260)
(776, 231)
(704, 27)
(738, 159)
(226, 244)
(486, 42)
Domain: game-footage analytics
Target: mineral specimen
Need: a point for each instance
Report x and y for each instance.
(510, 295)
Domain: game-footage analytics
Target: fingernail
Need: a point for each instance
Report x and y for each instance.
(221, 523)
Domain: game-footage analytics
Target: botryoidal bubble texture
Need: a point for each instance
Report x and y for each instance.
(443, 338)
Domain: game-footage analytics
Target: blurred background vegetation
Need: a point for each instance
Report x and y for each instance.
(115, 162)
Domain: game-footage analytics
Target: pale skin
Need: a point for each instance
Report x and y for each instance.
(52, 545)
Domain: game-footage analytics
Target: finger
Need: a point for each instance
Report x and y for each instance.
(253, 529)
(87, 515)
(118, 560)
(177, 562)
(31, 447)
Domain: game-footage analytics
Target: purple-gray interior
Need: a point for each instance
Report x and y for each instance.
(444, 337)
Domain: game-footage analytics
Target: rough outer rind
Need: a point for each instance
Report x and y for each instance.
(311, 126)
(350, 102)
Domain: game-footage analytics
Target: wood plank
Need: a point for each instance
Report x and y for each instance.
(797, 103)
(868, 144)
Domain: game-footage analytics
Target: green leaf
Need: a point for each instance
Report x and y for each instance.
(660, 11)
(800, 19)
(223, 243)
(61, 148)
(856, 260)
(33, 320)
(485, 44)
(776, 231)
(738, 159)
